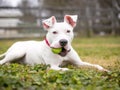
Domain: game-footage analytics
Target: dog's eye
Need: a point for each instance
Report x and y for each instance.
(68, 31)
(54, 32)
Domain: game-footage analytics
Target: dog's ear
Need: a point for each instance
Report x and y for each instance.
(48, 23)
(71, 19)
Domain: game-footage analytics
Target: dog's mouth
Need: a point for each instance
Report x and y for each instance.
(64, 52)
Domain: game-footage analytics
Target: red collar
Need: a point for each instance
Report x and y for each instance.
(47, 42)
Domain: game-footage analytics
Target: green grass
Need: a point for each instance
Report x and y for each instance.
(102, 51)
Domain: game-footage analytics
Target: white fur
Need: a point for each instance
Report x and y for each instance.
(38, 52)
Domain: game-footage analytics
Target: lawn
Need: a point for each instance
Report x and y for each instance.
(102, 51)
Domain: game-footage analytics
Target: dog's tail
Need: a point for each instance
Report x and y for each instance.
(2, 55)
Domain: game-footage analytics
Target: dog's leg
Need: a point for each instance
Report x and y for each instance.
(75, 59)
(12, 55)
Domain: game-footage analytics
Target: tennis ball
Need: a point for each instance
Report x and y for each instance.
(56, 50)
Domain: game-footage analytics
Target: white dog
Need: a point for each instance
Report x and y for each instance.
(60, 35)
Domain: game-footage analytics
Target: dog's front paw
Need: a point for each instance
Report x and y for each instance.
(58, 68)
(64, 69)
(101, 68)
(105, 70)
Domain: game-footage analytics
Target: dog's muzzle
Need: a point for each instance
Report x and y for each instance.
(64, 52)
(63, 43)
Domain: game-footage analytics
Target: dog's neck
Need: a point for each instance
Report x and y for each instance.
(47, 42)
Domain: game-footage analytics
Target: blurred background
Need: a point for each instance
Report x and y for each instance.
(22, 18)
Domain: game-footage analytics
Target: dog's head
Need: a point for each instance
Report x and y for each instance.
(60, 34)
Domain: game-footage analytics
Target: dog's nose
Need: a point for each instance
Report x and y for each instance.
(63, 42)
